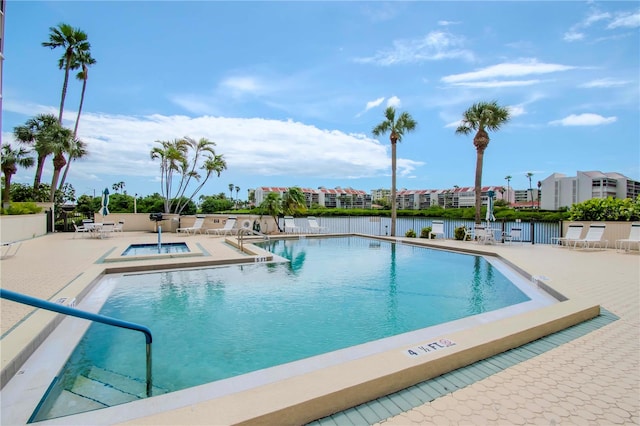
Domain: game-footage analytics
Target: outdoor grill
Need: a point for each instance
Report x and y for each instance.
(156, 217)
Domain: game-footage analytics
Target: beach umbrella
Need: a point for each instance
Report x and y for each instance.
(105, 202)
(490, 217)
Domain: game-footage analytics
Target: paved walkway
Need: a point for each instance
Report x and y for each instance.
(591, 380)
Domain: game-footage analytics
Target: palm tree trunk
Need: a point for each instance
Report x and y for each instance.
(84, 87)
(478, 183)
(58, 163)
(39, 168)
(64, 87)
(7, 188)
(394, 212)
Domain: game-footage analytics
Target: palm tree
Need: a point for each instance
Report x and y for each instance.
(529, 175)
(36, 131)
(396, 129)
(77, 150)
(11, 159)
(480, 117)
(231, 191)
(293, 201)
(172, 155)
(508, 179)
(272, 205)
(237, 188)
(75, 45)
(84, 60)
(61, 142)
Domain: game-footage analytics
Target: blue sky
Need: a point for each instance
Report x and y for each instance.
(290, 91)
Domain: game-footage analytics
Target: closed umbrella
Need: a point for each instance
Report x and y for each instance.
(490, 217)
(105, 202)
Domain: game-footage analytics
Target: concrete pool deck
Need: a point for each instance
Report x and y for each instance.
(594, 379)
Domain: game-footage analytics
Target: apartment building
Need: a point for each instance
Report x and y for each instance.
(559, 190)
(346, 198)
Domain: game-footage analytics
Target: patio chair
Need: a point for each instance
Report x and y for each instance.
(10, 249)
(515, 234)
(484, 235)
(437, 228)
(80, 230)
(593, 237)
(106, 229)
(119, 226)
(573, 233)
(314, 227)
(227, 229)
(634, 238)
(197, 227)
(290, 225)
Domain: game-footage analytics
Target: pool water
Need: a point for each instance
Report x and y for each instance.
(215, 323)
(145, 249)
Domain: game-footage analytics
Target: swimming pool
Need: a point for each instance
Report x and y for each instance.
(143, 249)
(372, 290)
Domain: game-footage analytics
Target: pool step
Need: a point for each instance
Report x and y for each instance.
(110, 388)
(68, 403)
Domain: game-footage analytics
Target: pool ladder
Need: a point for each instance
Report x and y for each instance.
(66, 310)
(243, 232)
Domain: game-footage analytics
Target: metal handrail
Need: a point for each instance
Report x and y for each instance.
(245, 231)
(66, 310)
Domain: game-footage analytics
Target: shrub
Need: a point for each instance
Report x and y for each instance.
(22, 208)
(410, 233)
(459, 232)
(425, 232)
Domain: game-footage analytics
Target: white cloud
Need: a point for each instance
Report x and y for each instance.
(447, 23)
(393, 101)
(625, 20)
(493, 83)
(586, 119)
(573, 36)
(373, 104)
(120, 145)
(436, 45)
(507, 69)
(604, 83)
(516, 110)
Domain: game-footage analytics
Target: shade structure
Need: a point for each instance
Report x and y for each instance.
(105, 202)
(490, 217)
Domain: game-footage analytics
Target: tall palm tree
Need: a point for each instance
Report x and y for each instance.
(12, 158)
(172, 156)
(508, 179)
(237, 188)
(61, 142)
(38, 131)
(75, 44)
(77, 150)
(529, 175)
(396, 129)
(84, 60)
(480, 117)
(231, 191)
(272, 205)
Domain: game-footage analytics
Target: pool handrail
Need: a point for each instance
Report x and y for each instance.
(242, 232)
(66, 310)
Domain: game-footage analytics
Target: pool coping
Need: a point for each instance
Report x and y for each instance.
(280, 409)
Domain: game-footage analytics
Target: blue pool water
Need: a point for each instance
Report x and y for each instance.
(215, 323)
(147, 249)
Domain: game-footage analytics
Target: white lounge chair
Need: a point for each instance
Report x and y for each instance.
(119, 227)
(227, 229)
(80, 230)
(314, 227)
(437, 228)
(573, 233)
(197, 227)
(484, 235)
(593, 237)
(10, 249)
(290, 225)
(515, 234)
(634, 238)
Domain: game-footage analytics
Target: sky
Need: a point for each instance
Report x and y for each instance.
(290, 91)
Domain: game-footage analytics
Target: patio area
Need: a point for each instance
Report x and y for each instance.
(594, 379)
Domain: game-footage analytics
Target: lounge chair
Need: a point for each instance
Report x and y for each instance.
(290, 225)
(197, 227)
(314, 227)
(227, 229)
(573, 233)
(119, 226)
(484, 235)
(80, 230)
(10, 249)
(437, 228)
(593, 237)
(515, 234)
(634, 238)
